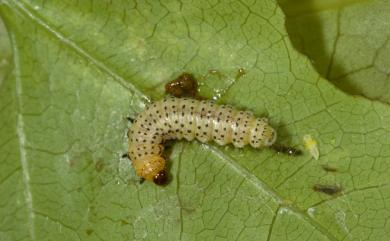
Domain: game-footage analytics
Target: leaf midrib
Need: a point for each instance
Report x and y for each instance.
(22, 138)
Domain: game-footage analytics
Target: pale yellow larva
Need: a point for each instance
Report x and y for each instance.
(182, 118)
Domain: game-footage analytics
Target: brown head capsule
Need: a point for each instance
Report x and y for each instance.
(181, 118)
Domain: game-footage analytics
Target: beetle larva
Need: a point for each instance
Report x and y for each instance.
(181, 118)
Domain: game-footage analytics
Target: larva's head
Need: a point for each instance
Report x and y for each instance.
(161, 178)
(262, 134)
(152, 168)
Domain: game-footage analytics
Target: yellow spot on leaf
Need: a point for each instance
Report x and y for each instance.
(311, 146)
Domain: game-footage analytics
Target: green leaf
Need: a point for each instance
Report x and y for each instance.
(348, 42)
(81, 68)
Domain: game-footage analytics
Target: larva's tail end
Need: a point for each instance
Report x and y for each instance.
(270, 136)
(262, 134)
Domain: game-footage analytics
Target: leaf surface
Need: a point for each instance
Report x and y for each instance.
(348, 42)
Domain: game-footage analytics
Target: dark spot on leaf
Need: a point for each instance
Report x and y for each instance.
(124, 222)
(327, 189)
(99, 165)
(329, 168)
(183, 86)
(286, 150)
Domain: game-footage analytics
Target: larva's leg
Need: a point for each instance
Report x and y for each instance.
(130, 119)
(141, 180)
(126, 155)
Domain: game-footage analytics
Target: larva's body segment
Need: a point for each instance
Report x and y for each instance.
(181, 118)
